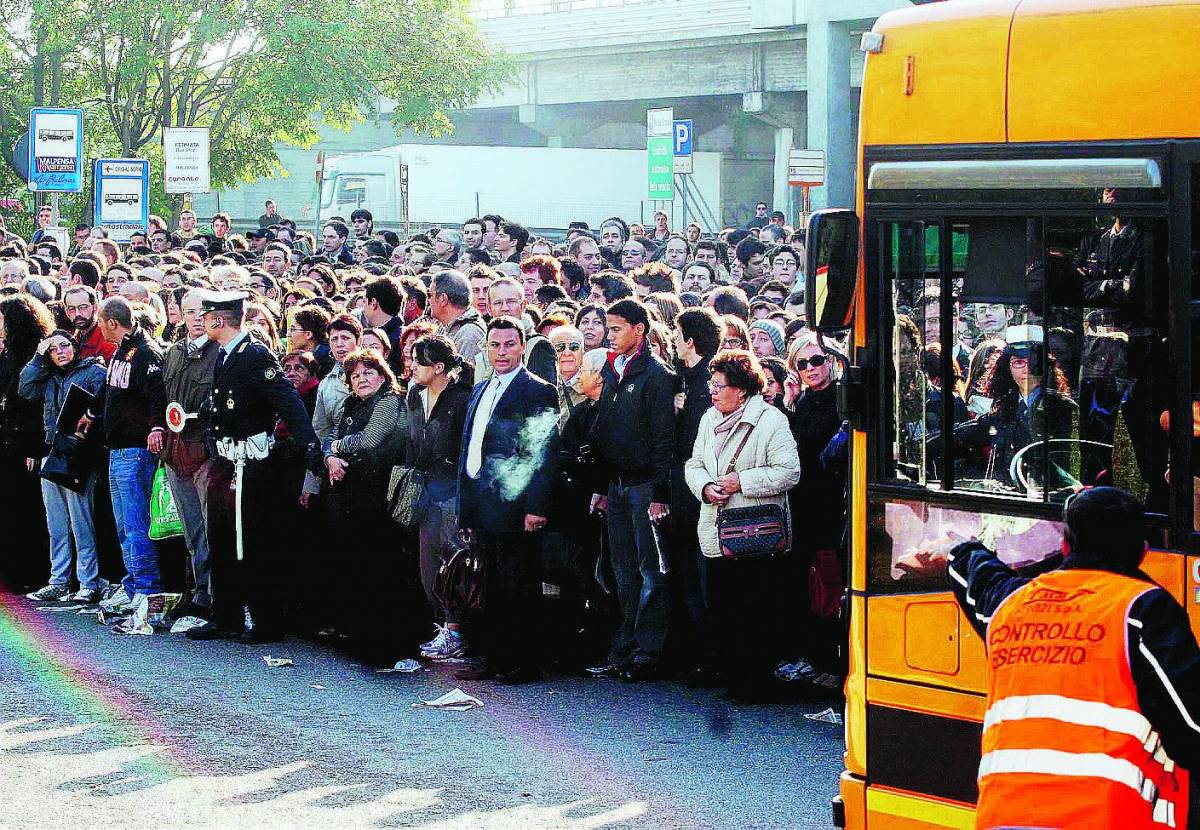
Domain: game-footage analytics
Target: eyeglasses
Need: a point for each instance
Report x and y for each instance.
(1023, 360)
(816, 361)
(563, 347)
(733, 343)
(715, 387)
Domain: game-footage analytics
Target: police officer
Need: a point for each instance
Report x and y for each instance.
(249, 394)
(1093, 709)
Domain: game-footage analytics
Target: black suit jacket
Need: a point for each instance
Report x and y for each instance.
(520, 456)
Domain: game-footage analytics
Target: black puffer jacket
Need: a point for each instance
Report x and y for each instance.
(635, 431)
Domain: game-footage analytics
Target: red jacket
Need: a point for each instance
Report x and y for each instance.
(94, 345)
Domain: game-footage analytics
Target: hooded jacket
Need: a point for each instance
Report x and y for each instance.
(132, 403)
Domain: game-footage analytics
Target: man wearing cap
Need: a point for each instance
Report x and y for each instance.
(187, 381)
(1093, 706)
(249, 394)
(259, 238)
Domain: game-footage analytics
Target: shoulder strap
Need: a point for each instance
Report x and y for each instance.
(738, 451)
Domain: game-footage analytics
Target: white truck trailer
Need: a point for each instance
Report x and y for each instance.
(540, 187)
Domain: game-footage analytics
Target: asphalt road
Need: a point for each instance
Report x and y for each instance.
(103, 730)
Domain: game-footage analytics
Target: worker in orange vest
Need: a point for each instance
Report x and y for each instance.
(1093, 708)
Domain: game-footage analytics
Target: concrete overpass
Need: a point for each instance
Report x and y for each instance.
(758, 77)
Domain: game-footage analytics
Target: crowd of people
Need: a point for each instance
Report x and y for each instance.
(528, 442)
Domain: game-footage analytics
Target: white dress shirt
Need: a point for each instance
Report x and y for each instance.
(495, 390)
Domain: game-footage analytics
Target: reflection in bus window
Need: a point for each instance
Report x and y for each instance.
(917, 323)
(910, 541)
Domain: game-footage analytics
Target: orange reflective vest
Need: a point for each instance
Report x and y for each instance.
(1065, 744)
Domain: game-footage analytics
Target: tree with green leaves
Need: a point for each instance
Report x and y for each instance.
(255, 72)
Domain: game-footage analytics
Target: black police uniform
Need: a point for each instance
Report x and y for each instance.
(249, 393)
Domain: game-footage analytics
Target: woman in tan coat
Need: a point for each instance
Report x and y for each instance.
(744, 455)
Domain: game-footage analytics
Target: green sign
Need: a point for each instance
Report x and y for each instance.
(660, 158)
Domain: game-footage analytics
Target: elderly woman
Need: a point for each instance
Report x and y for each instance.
(568, 352)
(54, 369)
(744, 455)
(365, 444)
(437, 406)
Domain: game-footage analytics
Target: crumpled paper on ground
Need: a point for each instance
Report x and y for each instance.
(826, 716)
(75, 607)
(150, 613)
(402, 666)
(455, 701)
(186, 624)
(276, 662)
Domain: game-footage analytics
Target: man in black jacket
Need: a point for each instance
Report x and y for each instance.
(131, 407)
(635, 442)
(698, 333)
(505, 473)
(249, 553)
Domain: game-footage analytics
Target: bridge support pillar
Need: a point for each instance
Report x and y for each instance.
(829, 118)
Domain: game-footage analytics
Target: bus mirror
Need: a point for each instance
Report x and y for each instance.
(831, 270)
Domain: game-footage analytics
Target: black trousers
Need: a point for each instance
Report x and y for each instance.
(511, 628)
(269, 491)
(737, 594)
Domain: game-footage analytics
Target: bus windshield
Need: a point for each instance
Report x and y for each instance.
(1028, 353)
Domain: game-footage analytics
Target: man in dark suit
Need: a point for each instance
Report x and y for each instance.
(505, 474)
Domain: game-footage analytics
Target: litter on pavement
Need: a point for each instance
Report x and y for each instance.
(276, 662)
(186, 624)
(826, 716)
(403, 666)
(455, 701)
(59, 607)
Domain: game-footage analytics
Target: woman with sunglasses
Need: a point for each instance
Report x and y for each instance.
(818, 505)
(568, 351)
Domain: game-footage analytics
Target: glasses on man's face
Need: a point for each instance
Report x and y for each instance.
(567, 347)
(816, 362)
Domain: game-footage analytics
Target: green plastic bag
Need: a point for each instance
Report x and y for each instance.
(164, 517)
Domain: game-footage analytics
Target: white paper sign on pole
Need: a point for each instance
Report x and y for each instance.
(185, 160)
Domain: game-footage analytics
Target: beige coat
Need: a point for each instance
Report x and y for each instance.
(767, 467)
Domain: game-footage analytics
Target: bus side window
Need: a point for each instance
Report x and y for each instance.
(1106, 335)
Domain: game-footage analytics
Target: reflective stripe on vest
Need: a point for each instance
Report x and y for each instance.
(1073, 710)
(1056, 762)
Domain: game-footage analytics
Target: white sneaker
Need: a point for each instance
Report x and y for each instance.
(439, 639)
(453, 648)
(86, 596)
(115, 600)
(131, 606)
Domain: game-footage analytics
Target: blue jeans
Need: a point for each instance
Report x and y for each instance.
(636, 548)
(130, 477)
(69, 517)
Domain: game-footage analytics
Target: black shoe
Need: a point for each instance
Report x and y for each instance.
(208, 631)
(609, 668)
(258, 634)
(518, 677)
(640, 671)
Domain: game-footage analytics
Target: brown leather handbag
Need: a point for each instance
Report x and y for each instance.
(460, 585)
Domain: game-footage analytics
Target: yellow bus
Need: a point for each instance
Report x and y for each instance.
(1020, 284)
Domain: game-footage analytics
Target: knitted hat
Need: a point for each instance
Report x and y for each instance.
(773, 330)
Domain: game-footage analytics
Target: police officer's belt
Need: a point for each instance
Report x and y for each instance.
(254, 448)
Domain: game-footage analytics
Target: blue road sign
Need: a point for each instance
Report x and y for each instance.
(55, 150)
(683, 137)
(122, 196)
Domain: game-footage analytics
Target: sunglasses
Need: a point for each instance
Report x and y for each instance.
(564, 347)
(816, 361)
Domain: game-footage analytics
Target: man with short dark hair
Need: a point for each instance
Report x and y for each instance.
(760, 217)
(80, 306)
(609, 286)
(634, 441)
(510, 241)
(729, 299)
(1094, 682)
(585, 251)
(472, 234)
(383, 305)
(698, 334)
(506, 298)
(277, 260)
(752, 255)
(270, 216)
(131, 407)
(363, 222)
(505, 475)
(334, 235)
(491, 226)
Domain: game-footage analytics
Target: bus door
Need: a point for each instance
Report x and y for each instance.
(1022, 339)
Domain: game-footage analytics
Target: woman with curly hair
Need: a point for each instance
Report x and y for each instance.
(24, 323)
